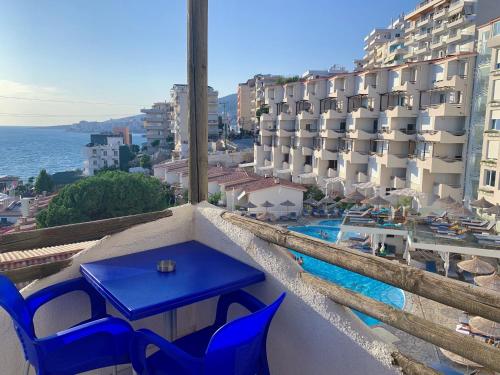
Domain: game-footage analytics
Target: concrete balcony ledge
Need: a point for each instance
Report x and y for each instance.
(267, 148)
(442, 136)
(267, 117)
(306, 116)
(437, 164)
(354, 157)
(332, 133)
(445, 190)
(285, 149)
(303, 133)
(446, 109)
(401, 111)
(285, 133)
(364, 113)
(396, 135)
(361, 134)
(332, 114)
(324, 154)
(455, 81)
(398, 182)
(286, 117)
(267, 132)
(306, 151)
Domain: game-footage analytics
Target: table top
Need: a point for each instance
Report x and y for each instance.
(134, 287)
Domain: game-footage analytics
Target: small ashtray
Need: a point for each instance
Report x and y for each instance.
(166, 265)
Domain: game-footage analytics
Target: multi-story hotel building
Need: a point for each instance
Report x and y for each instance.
(400, 120)
(179, 103)
(250, 99)
(157, 122)
(488, 107)
(401, 126)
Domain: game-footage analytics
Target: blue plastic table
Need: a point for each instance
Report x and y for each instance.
(134, 287)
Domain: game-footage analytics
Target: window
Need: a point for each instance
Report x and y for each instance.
(308, 160)
(492, 150)
(105, 153)
(496, 28)
(496, 90)
(489, 177)
(495, 124)
(332, 164)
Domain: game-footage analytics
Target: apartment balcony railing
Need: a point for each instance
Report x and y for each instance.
(332, 114)
(401, 111)
(446, 190)
(307, 133)
(325, 154)
(440, 14)
(398, 182)
(441, 164)
(285, 133)
(441, 136)
(422, 36)
(332, 133)
(364, 112)
(444, 109)
(354, 157)
(439, 29)
(361, 134)
(398, 135)
(391, 160)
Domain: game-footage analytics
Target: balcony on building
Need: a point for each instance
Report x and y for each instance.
(448, 190)
(398, 104)
(443, 101)
(441, 164)
(397, 135)
(360, 106)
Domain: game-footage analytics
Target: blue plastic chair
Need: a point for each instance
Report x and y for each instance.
(98, 342)
(237, 347)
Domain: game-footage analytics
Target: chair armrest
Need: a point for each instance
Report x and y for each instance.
(97, 302)
(144, 337)
(101, 328)
(240, 297)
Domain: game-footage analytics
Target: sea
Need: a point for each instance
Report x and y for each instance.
(24, 150)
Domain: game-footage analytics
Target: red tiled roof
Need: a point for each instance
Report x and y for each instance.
(260, 183)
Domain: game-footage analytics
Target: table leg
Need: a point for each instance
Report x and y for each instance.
(171, 323)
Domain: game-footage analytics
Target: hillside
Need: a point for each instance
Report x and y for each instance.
(134, 123)
(231, 107)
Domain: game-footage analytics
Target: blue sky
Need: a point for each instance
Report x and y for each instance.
(129, 53)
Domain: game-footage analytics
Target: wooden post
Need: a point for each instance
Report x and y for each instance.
(463, 345)
(198, 102)
(409, 366)
(467, 297)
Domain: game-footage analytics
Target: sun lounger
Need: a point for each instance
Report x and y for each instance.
(352, 213)
(486, 228)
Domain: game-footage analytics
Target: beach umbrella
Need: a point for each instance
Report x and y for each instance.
(489, 281)
(495, 210)
(406, 192)
(481, 203)
(376, 201)
(458, 359)
(446, 201)
(248, 205)
(311, 202)
(267, 205)
(460, 211)
(287, 204)
(355, 196)
(327, 200)
(476, 266)
(485, 326)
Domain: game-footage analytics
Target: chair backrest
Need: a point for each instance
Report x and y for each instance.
(236, 347)
(13, 302)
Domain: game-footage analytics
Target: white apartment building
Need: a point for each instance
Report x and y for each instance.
(396, 127)
(434, 29)
(438, 28)
(489, 38)
(384, 47)
(157, 122)
(251, 98)
(179, 103)
(102, 152)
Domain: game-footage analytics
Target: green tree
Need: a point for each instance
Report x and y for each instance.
(155, 143)
(215, 198)
(314, 192)
(109, 194)
(145, 161)
(44, 182)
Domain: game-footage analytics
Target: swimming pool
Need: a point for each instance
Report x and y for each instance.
(369, 287)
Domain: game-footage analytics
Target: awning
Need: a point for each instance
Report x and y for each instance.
(266, 168)
(284, 171)
(245, 165)
(333, 180)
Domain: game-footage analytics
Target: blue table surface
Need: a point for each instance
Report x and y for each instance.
(134, 287)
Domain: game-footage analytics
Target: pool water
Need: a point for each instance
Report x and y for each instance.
(364, 285)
